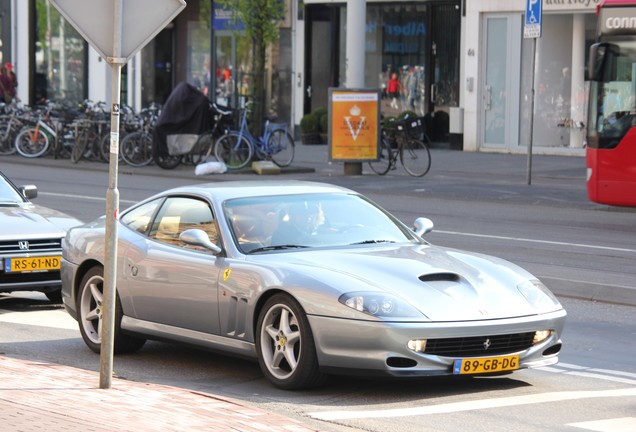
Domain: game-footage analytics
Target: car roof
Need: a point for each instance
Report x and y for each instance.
(250, 188)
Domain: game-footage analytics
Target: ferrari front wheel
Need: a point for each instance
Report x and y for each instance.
(285, 345)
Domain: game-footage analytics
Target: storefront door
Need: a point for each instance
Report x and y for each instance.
(158, 68)
(500, 81)
(320, 67)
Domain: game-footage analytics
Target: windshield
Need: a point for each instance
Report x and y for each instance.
(611, 111)
(8, 195)
(262, 224)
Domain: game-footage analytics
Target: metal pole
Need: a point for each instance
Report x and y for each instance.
(355, 46)
(212, 63)
(107, 331)
(534, 61)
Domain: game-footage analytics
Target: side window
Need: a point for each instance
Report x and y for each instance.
(139, 219)
(178, 214)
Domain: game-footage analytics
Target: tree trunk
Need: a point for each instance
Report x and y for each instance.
(258, 111)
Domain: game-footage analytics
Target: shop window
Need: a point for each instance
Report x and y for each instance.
(60, 57)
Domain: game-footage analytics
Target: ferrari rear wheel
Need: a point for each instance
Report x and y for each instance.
(90, 312)
(285, 345)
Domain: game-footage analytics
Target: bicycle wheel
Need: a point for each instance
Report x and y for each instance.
(31, 142)
(104, 146)
(81, 144)
(203, 150)
(280, 146)
(415, 157)
(234, 153)
(168, 161)
(383, 164)
(6, 137)
(136, 149)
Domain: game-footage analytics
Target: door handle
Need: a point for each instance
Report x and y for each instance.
(309, 91)
(433, 92)
(487, 97)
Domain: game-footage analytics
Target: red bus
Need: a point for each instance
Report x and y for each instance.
(611, 125)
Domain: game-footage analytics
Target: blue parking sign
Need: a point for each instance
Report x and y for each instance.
(532, 28)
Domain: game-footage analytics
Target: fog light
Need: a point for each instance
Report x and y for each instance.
(540, 336)
(417, 345)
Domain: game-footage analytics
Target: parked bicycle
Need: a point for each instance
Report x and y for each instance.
(223, 122)
(136, 147)
(34, 140)
(237, 147)
(91, 131)
(12, 120)
(406, 144)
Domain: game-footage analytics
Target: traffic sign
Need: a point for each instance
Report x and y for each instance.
(534, 12)
(141, 21)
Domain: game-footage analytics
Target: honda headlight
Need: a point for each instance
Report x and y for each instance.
(379, 305)
(540, 297)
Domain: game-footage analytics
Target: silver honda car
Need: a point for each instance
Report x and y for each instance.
(309, 279)
(30, 242)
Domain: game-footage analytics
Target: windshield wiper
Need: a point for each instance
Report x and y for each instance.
(276, 247)
(372, 242)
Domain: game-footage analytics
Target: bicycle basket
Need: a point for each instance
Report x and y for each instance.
(412, 127)
(180, 144)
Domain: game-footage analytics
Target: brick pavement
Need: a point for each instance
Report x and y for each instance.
(40, 396)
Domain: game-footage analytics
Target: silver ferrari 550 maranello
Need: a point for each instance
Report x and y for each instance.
(310, 279)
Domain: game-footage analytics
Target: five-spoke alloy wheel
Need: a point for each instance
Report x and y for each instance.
(285, 345)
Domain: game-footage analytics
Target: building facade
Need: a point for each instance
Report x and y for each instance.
(463, 65)
(502, 71)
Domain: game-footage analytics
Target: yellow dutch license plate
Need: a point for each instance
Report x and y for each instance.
(479, 365)
(32, 264)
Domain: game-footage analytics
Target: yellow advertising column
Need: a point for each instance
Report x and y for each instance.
(354, 125)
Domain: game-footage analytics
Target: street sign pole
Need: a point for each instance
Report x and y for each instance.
(117, 29)
(112, 210)
(532, 29)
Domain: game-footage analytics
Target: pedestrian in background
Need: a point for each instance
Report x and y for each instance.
(393, 89)
(8, 82)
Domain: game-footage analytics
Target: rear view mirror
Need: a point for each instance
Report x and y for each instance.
(602, 62)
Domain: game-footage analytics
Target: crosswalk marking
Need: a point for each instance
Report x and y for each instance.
(625, 424)
(475, 404)
(588, 372)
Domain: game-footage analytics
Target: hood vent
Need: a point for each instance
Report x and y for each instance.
(440, 277)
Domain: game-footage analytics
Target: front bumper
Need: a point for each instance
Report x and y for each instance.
(68, 271)
(380, 348)
(44, 281)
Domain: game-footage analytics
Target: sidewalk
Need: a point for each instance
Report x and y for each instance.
(37, 396)
(314, 160)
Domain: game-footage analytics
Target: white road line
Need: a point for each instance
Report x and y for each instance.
(603, 374)
(605, 371)
(86, 197)
(521, 239)
(625, 424)
(474, 405)
(53, 318)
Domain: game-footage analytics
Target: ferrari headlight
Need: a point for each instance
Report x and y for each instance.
(540, 297)
(379, 305)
